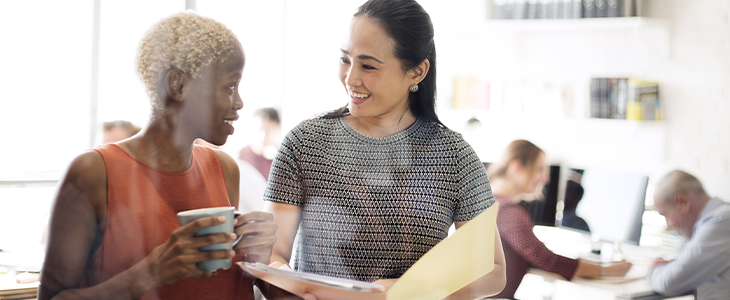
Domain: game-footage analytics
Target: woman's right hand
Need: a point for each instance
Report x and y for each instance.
(175, 259)
(617, 269)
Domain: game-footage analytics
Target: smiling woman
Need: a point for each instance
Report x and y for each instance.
(113, 232)
(373, 186)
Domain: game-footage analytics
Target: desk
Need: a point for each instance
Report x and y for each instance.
(539, 284)
(9, 289)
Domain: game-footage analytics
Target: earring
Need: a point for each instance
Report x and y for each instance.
(414, 88)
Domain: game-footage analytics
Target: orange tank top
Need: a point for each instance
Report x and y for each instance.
(142, 205)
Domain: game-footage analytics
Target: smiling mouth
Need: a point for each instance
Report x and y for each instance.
(359, 96)
(229, 122)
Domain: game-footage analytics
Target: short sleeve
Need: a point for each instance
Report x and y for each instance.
(285, 183)
(475, 193)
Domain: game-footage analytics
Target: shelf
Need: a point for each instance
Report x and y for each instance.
(583, 24)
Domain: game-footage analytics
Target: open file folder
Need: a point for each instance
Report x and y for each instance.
(449, 266)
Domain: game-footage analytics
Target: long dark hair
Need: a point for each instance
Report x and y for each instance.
(409, 25)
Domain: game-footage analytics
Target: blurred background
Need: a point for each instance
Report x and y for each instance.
(69, 67)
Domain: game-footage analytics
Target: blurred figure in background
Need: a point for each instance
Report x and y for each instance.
(573, 194)
(260, 154)
(520, 171)
(704, 263)
(118, 130)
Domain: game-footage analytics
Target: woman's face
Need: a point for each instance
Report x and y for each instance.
(371, 73)
(211, 102)
(537, 177)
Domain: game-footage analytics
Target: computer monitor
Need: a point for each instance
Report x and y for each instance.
(612, 205)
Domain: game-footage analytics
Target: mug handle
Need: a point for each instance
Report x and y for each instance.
(238, 238)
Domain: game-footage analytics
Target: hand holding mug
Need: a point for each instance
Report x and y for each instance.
(258, 231)
(229, 213)
(176, 259)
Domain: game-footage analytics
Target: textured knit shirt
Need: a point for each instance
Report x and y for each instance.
(523, 250)
(371, 207)
(143, 203)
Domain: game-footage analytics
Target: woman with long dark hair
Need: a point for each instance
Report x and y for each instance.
(373, 186)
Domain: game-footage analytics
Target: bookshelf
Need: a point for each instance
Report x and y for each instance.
(583, 24)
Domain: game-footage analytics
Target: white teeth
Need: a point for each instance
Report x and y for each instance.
(359, 96)
(229, 122)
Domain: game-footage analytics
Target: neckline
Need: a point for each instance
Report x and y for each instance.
(144, 164)
(383, 140)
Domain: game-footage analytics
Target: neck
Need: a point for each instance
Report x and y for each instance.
(505, 188)
(162, 145)
(379, 127)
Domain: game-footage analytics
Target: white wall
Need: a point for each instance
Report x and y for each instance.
(688, 54)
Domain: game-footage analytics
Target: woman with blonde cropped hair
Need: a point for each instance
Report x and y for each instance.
(113, 232)
(520, 171)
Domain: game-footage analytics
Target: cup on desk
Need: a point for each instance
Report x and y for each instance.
(229, 212)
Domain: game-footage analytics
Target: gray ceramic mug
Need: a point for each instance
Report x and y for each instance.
(185, 217)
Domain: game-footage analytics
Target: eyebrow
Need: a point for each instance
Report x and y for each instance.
(362, 56)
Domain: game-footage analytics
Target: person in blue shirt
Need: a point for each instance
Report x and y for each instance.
(704, 262)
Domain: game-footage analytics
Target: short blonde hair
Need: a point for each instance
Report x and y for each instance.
(677, 181)
(185, 41)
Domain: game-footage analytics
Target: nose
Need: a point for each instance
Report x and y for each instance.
(237, 101)
(352, 77)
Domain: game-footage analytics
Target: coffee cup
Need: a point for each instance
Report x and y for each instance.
(229, 212)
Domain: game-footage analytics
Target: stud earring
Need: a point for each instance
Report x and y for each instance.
(414, 88)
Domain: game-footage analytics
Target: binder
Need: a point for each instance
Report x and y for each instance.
(567, 9)
(532, 11)
(557, 10)
(601, 8)
(589, 8)
(519, 9)
(545, 8)
(614, 8)
(577, 9)
(595, 107)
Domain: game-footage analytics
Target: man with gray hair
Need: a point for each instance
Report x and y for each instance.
(704, 262)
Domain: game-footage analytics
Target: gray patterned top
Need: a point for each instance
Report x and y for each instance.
(371, 207)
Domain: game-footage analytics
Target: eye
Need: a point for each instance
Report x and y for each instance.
(368, 67)
(344, 60)
(232, 87)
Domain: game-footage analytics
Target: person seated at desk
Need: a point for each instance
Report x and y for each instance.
(113, 232)
(520, 171)
(573, 194)
(704, 262)
(374, 186)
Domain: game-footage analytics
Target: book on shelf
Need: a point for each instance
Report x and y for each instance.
(601, 8)
(624, 98)
(563, 9)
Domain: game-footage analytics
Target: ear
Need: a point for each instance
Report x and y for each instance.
(682, 202)
(514, 166)
(174, 84)
(419, 72)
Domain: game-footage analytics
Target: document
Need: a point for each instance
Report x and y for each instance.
(449, 266)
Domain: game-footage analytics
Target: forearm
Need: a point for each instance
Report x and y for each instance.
(126, 285)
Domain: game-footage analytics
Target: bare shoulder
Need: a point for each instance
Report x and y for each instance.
(86, 175)
(230, 166)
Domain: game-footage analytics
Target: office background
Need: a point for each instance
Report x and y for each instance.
(68, 67)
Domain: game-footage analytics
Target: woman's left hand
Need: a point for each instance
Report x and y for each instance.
(387, 283)
(258, 235)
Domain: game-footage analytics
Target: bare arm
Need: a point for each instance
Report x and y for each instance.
(75, 227)
(490, 284)
(591, 270)
(287, 218)
(232, 176)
